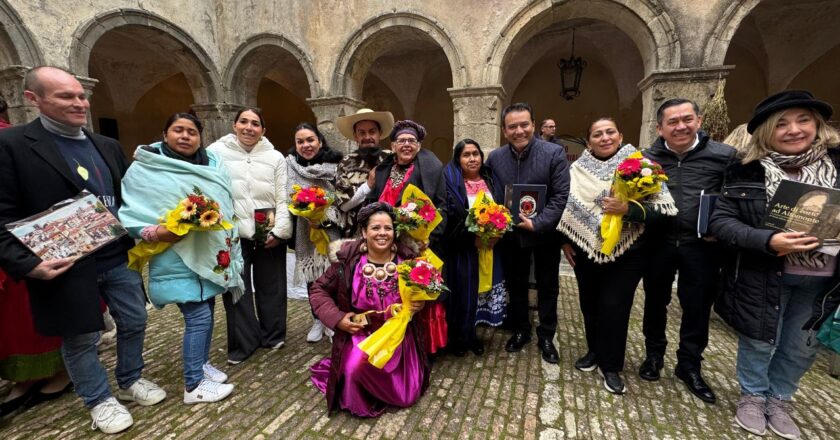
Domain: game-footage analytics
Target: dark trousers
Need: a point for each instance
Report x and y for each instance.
(697, 262)
(517, 266)
(606, 294)
(248, 327)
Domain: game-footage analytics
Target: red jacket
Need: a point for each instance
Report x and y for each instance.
(330, 297)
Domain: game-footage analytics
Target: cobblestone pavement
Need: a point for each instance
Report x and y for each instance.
(499, 395)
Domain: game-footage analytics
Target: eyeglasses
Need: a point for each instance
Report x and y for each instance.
(407, 141)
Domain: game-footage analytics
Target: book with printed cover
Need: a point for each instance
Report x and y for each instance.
(811, 209)
(72, 228)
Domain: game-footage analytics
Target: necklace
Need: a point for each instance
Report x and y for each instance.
(398, 173)
(379, 279)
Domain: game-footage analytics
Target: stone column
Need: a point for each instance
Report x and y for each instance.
(88, 84)
(327, 109)
(21, 111)
(217, 118)
(476, 114)
(697, 84)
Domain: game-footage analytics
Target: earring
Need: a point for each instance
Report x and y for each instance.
(394, 247)
(363, 248)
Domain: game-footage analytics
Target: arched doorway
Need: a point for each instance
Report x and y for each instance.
(636, 39)
(782, 45)
(272, 73)
(138, 88)
(18, 52)
(403, 63)
(608, 83)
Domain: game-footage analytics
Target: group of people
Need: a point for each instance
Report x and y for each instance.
(776, 286)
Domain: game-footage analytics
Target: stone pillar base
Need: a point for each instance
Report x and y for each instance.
(697, 84)
(217, 118)
(329, 108)
(476, 114)
(21, 111)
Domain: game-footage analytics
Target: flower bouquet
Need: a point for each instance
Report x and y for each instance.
(635, 178)
(311, 203)
(263, 224)
(487, 220)
(195, 212)
(417, 217)
(419, 280)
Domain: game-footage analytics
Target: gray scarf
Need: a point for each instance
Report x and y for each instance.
(814, 168)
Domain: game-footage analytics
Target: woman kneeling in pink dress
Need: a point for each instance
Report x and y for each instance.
(364, 279)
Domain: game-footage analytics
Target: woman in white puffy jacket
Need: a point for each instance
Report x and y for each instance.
(258, 173)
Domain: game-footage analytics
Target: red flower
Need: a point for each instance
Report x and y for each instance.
(420, 274)
(630, 166)
(260, 217)
(427, 212)
(498, 220)
(223, 259)
(306, 195)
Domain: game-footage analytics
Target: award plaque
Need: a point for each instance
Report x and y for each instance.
(526, 199)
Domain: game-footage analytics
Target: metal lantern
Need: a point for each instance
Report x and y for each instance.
(571, 70)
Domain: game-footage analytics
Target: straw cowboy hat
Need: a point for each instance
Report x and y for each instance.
(384, 119)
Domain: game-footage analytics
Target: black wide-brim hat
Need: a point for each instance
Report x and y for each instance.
(783, 101)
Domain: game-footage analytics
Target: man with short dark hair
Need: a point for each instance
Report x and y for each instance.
(548, 128)
(51, 159)
(694, 164)
(526, 159)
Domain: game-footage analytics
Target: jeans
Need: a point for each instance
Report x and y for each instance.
(198, 331)
(122, 290)
(774, 370)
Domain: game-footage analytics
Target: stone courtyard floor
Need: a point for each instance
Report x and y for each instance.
(499, 395)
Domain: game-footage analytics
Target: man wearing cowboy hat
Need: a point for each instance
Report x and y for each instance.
(365, 127)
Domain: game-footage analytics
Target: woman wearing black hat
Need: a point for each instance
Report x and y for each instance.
(779, 287)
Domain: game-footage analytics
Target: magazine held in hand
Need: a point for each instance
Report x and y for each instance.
(811, 209)
(71, 228)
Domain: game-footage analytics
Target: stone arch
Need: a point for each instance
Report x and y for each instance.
(644, 21)
(203, 79)
(718, 43)
(360, 50)
(242, 69)
(23, 49)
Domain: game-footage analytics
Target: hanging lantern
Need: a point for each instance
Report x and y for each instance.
(571, 70)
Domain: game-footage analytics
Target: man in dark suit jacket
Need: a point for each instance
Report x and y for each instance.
(51, 159)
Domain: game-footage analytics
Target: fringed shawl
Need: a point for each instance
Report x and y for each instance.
(591, 180)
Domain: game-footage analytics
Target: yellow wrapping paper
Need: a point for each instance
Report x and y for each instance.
(380, 345)
(485, 269)
(422, 233)
(141, 253)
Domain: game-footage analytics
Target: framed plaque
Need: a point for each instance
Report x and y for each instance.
(525, 199)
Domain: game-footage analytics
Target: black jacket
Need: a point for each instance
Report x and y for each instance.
(33, 177)
(753, 276)
(701, 169)
(541, 163)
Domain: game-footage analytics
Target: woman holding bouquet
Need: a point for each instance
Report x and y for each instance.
(365, 279)
(607, 281)
(312, 163)
(258, 174)
(779, 288)
(465, 176)
(412, 164)
(178, 175)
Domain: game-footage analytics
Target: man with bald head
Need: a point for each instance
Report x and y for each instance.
(51, 159)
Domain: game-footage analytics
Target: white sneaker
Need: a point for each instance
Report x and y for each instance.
(316, 332)
(144, 392)
(208, 391)
(278, 345)
(213, 374)
(110, 417)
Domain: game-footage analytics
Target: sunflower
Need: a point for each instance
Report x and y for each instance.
(209, 218)
(188, 209)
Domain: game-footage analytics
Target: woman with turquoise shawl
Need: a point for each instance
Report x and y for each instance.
(197, 266)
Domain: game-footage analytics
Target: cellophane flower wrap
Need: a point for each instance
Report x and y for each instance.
(487, 220)
(635, 178)
(419, 280)
(194, 213)
(311, 203)
(417, 217)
